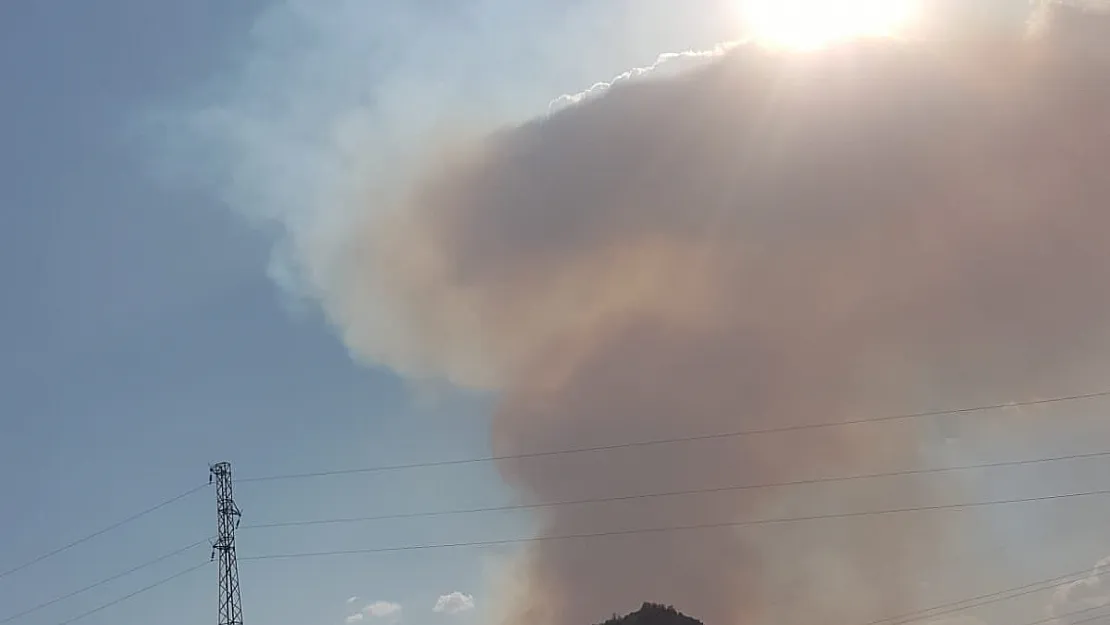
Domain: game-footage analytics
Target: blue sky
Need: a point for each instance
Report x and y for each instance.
(143, 336)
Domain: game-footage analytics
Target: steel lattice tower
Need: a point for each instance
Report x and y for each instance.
(228, 515)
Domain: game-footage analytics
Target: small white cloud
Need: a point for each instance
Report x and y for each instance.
(352, 600)
(383, 609)
(454, 603)
(354, 618)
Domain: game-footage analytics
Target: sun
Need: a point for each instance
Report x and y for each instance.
(815, 23)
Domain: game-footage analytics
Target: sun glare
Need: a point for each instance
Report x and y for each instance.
(814, 23)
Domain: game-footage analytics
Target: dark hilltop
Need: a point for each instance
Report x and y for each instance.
(653, 614)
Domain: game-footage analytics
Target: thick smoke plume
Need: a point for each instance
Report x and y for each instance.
(769, 239)
(772, 239)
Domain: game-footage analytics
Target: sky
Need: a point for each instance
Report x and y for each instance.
(147, 330)
(143, 337)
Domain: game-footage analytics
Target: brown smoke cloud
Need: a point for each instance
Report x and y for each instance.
(773, 239)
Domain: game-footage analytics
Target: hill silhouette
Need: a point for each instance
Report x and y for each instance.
(653, 614)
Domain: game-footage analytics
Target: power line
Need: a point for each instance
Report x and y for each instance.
(678, 528)
(1038, 622)
(919, 615)
(616, 446)
(1049, 619)
(685, 439)
(101, 532)
(1088, 619)
(675, 493)
(103, 581)
(983, 599)
(980, 600)
(927, 613)
(165, 580)
(902, 619)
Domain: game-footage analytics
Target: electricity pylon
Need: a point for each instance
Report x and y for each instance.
(228, 515)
